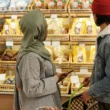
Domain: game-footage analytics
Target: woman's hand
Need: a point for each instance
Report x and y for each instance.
(61, 76)
(86, 97)
(86, 81)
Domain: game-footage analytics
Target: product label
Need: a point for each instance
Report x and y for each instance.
(53, 16)
(9, 43)
(83, 70)
(55, 43)
(13, 25)
(14, 17)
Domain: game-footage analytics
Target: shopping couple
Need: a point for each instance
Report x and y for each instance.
(36, 79)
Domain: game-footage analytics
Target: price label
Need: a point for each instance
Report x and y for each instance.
(14, 17)
(55, 43)
(47, 43)
(81, 44)
(9, 43)
(74, 79)
(53, 16)
(83, 70)
(2, 76)
(58, 70)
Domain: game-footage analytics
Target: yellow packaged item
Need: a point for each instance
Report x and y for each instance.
(92, 53)
(79, 53)
(13, 25)
(79, 26)
(6, 28)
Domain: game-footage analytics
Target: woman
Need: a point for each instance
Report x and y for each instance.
(100, 80)
(36, 79)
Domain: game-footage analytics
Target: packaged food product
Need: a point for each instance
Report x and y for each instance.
(79, 53)
(76, 4)
(12, 5)
(52, 4)
(85, 4)
(61, 53)
(55, 26)
(61, 4)
(21, 4)
(89, 27)
(92, 53)
(13, 25)
(6, 29)
(79, 26)
(40, 4)
(4, 4)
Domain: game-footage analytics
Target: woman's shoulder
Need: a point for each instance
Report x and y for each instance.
(34, 56)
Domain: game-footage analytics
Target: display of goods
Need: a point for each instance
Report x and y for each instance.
(55, 26)
(76, 4)
(11, 27)
(86, 4)
(8, 84)
(65, 86)
(92, 53)
(21, 4)
(4, 4)
(9, 80)
(61, 53)
(79, 53)
(18, 4)
(83, 26)
(10, 55)
(61, 4)
(40, 4)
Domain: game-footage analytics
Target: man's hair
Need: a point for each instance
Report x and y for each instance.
(102, 19)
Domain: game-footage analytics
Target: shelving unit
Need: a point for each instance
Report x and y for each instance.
(65, 39)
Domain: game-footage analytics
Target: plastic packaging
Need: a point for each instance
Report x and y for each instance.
(4, 4)
(21, 4)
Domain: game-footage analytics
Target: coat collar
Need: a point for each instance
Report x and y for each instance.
(106, 31)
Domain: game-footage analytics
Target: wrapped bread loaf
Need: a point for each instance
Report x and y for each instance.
(79, 53)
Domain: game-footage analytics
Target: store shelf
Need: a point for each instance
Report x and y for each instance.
(77, 66)
(58, 37)
(7, 63)
(80, 12)
(47, 12)
(85, 38)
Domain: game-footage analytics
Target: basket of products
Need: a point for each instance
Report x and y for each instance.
(9, 55)
(8, 84)
(65, 86)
